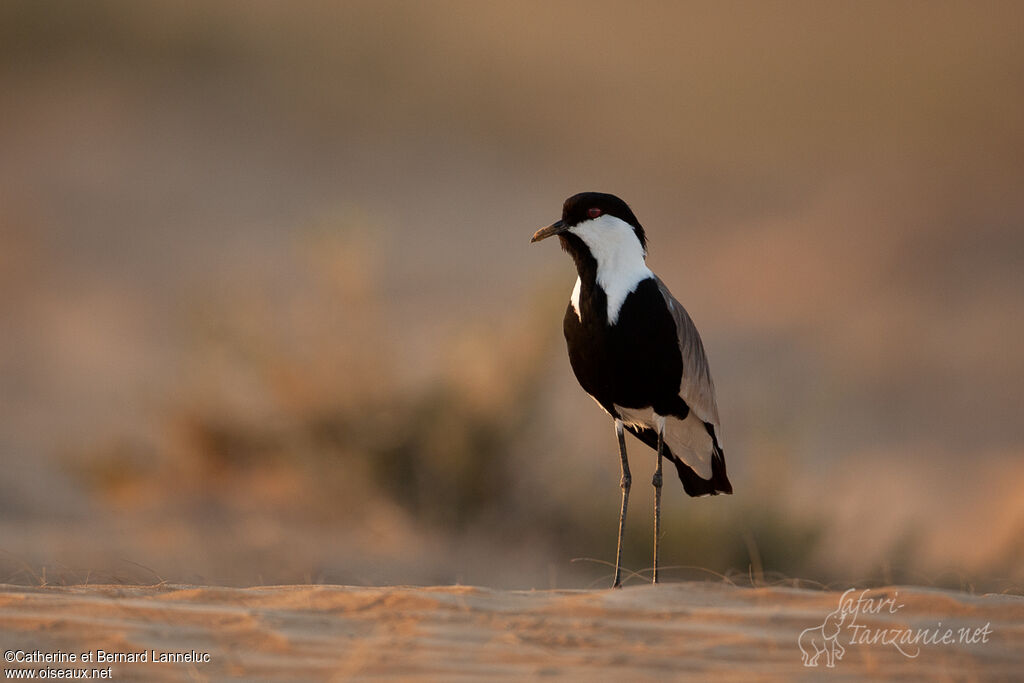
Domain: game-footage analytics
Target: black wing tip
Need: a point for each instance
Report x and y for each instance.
(696, 486)
(719, 479)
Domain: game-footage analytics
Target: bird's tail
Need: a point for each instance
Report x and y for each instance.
(693, 484)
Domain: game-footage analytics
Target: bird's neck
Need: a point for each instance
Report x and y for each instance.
(606, 278)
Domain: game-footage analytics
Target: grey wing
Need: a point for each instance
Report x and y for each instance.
(696, 387)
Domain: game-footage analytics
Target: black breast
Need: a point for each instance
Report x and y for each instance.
(634, 363)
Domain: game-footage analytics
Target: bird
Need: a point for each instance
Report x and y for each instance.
(635, 350)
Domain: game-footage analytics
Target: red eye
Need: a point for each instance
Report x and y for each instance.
(594, 212)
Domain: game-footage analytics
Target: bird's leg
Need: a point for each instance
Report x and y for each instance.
(656, 481)
(624, 483)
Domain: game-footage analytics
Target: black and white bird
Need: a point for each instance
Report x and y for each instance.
(636, 351)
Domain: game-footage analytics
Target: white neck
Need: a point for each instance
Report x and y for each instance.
(620, 261)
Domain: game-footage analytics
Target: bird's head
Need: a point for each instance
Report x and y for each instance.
(597, 224)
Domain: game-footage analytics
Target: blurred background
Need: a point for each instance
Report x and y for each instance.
(269, 312)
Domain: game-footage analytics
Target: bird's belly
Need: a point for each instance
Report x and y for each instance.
(623, 369)
(591, 358)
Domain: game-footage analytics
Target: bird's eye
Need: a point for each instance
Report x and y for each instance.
(594, 212)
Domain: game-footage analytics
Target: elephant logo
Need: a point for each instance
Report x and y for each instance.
(823, 639)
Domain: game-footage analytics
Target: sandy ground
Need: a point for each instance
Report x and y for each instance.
(687, 630)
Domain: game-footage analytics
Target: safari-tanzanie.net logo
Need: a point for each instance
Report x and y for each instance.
(844, 627)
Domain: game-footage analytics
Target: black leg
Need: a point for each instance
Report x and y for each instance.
(656, 481)
(624, 483)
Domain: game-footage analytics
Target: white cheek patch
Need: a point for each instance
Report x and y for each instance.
(620, 260)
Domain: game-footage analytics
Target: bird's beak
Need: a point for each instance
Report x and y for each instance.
(553, 229)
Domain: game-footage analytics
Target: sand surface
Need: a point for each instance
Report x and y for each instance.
(685, 630)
